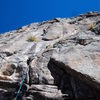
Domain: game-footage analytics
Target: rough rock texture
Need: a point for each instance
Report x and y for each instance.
(62, 61)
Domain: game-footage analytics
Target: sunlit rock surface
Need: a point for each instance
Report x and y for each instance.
(60, 59)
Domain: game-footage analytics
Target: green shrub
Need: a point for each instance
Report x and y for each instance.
(91, 26)
(32, 39)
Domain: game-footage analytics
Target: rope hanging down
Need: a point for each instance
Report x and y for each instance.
(22, 83)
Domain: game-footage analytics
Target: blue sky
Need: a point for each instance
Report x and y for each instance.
(16, 13)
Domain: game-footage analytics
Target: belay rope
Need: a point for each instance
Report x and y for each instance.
(22, 83)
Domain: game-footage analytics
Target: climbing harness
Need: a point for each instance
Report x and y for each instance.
(21, 83)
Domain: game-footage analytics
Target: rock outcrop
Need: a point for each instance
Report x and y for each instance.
(57, 59)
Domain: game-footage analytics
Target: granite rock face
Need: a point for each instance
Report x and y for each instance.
(57, 59)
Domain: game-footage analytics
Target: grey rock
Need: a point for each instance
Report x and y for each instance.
(96, 28)
(53, 32)
(64, 64)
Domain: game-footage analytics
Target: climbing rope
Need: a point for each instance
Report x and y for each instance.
(21, 83)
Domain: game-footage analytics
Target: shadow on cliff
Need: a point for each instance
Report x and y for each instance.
(70, 86)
